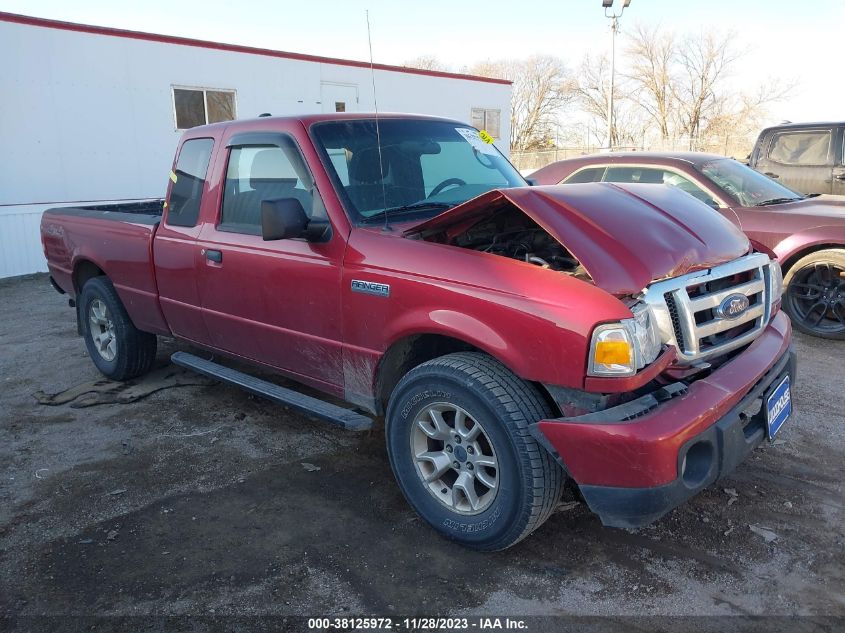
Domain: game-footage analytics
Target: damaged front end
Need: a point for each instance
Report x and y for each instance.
(671, 396)
(621, 237)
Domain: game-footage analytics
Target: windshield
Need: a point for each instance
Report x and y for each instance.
(746, 186)
(420, 169)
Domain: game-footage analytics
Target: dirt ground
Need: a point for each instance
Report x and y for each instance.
(205, 500)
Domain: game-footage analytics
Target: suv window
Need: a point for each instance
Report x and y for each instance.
(188, 182)
(656, 176)
(265, 172)
(591, 174)
(810, 147)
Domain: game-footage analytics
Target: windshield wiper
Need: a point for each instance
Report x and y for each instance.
(405, 208)
(766, 203)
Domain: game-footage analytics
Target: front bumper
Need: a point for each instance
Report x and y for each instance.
(630, 466)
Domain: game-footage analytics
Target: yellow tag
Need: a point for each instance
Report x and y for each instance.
(485, 136)
(164, 206)
(173, 176)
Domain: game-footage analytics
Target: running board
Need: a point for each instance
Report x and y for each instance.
(348, 419)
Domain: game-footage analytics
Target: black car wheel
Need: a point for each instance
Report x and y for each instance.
(815, 294)
(460, 448)
(119, 349)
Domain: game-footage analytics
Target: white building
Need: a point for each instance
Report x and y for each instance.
(93, 114)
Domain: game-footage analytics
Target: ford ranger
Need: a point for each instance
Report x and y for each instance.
(625, 337)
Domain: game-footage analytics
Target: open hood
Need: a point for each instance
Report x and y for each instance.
(625, 236)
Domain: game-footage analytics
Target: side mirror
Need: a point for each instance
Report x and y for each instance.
(284, 218)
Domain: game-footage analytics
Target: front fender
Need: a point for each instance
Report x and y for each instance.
(789, 249)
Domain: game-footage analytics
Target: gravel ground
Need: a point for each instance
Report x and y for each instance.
(203, 500)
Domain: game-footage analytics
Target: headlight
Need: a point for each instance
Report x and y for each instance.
(775, 285)
(622, 349)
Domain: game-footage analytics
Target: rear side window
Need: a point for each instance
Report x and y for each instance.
(265, 172)
(591, 174)
(800, 148)
(186, 192)
(643, 175)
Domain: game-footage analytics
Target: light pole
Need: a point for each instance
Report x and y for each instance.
(614, 29)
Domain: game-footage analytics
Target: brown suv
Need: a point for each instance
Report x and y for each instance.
(807, 157)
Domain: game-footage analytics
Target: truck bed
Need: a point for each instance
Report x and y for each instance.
(143, 212)
(117, 239)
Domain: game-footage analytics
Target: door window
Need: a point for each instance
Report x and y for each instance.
(658, 176)
(800, 148)
(188, 181)
(265, 172)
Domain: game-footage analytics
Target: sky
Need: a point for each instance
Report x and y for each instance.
(799, 42)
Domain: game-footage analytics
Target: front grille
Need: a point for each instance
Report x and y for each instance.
(687, 308)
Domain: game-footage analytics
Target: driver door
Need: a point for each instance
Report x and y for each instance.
(275, 302)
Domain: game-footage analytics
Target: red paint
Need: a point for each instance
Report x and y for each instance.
(644, 453)
(234, 48)
(626, 236)
(789, 230)
(288, 304)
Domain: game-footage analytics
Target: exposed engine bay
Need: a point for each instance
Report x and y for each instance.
(511, 233)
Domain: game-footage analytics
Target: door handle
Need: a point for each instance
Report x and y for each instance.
(840, 177)
(213, 255)
(771, 174)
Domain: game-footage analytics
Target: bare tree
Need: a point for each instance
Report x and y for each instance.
(427, 62)
(542, 89)
(703, 63)
(682, 85)
(651, 55)
(593, 87)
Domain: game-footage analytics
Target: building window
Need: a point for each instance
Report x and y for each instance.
(196, 106)
(487, 120)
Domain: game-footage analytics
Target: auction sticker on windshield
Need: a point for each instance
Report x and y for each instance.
(474, 139)
(778, 407)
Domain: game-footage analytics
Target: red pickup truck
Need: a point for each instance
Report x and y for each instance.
(625, 337)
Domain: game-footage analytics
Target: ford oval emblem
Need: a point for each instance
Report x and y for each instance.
(733, 306)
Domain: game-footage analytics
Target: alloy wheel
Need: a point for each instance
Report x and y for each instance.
(455, 458)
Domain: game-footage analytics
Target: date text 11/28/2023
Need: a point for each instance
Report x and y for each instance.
(417, 624)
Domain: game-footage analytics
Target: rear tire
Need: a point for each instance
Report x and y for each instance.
(432, 418)
(119, 349)
(814, 296)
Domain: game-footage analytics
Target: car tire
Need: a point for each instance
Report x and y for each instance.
(465, 390)
(814, 295)
(119, 349)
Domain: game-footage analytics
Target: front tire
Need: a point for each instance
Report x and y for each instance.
(459, 446)
(815, 294)
(119, 349)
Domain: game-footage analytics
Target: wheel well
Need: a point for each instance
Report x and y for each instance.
(790, 261)
(407, 353)
(84, 271)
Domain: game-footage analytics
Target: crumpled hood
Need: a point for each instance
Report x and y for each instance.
(626, 236)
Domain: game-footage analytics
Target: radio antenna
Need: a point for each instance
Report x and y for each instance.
(378, 131)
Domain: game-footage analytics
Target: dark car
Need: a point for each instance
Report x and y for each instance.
(807, 157)
(806, 232)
